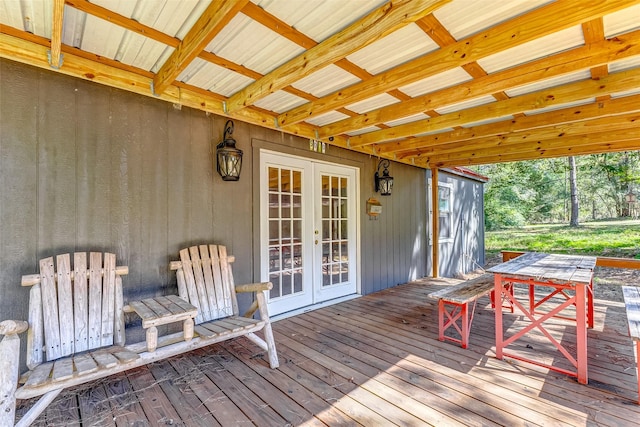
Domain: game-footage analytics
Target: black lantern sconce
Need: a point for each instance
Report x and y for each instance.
(383, 183)
(229, 157)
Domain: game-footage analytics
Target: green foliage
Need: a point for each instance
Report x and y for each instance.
(606, 238)
(534, 192)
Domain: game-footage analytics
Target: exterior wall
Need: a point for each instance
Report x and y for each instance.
(466, 253)
(87, 167)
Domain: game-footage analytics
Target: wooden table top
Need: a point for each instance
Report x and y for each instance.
(554, 268)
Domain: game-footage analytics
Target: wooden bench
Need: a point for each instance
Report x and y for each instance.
(453, 306)
(632, 305)
(76, 334)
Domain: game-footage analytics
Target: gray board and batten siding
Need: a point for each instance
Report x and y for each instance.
(88, 167)
(466, 252)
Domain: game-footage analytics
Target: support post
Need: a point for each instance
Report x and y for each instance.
(435, 219)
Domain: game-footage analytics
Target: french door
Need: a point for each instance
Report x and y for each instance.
(308, 231)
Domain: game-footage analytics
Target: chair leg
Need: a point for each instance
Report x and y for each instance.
(9, 365)
(268, 333)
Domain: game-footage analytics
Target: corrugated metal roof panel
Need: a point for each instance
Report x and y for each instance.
(327, 118)
(249, 43)
(555, 81)
(466, 17)
(280, 101)
(409, 119)
(626, 93)
(212, 77)
(398, 47)
(373, 103)
(559, 106)
(474, 102)
(550, 44)
(363, 131)
(436, 82)
(434, 132)
(622, 21)
(488, 121)
(318, 18)
(325, 81)
(624, 64)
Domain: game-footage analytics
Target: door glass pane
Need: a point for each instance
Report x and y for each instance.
(285, 232)
(335, 256)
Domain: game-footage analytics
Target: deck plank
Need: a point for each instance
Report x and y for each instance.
(376, 360)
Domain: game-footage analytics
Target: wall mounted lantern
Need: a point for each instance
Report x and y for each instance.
(229, 157)
(383, 183)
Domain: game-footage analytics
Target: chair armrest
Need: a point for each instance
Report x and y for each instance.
(254, 287)
(11, 327)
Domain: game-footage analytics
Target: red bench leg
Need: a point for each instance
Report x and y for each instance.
(448, 318)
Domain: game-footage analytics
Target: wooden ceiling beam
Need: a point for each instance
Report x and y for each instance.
(593, 32)
(611, 107)
(55, 58)
(537, 23)
(209, 24)
(436, 31)
(374, 26)
(528, 139)
(574, 150)
(620, 47)
(618, 82)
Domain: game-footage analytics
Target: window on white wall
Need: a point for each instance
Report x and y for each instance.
(445, 214)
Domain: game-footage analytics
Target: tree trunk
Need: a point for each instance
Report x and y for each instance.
(573, 183)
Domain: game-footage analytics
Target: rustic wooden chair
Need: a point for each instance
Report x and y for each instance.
(75, 331)
(206, 281)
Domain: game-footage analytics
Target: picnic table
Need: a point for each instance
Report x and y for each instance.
(567, 276)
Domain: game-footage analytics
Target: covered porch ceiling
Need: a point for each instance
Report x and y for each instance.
(432, 83)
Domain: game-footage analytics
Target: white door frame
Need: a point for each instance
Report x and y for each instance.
(271, 158)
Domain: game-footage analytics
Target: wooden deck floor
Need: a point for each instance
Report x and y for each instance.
(372, 361)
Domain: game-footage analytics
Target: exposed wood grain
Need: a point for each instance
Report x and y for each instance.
(80, 301)
(204, 309)
(616, 82)
(359, 34)
(35, 334)
(532, 25)
(65, 304)
(95, 300)
(469, 290)
(94, 406)
(56, 33)
(50, 309)
(208, 25)
(595, 110)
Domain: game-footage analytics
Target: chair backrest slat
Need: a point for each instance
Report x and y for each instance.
(205, 280)
(230, 305)
(108, 299)
(189, 283)
(201, 287)
(80, 301)
(95, 300)
(65, 304)
(208, 280)
(50, 309)
(72, 309)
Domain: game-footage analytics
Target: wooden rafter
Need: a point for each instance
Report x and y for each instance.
(604, 51)
(580, 146)
(595, 110)
(556, 136)
(56, 34)
(618, 82)
(210, 23)
(538, 23)
(382, 21)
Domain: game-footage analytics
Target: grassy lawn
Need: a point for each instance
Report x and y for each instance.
(607, 238)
